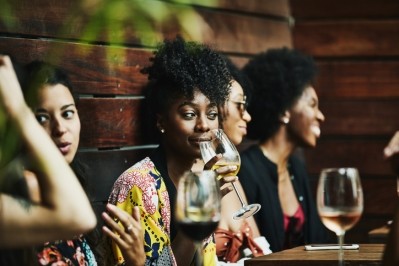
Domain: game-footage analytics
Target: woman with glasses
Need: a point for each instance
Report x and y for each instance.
(235, 236)
(285, 116)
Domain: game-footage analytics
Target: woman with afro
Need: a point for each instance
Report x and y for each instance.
(187, 83)
(285, 116)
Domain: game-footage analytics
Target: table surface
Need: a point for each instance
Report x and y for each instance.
(367, 254)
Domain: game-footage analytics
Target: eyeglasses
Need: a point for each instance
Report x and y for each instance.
(242, 105)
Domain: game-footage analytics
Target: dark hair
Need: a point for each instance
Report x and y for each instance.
(178, 69)
(239, 76)
(279, 77)
(39, 73)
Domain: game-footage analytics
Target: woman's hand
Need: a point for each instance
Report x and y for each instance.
(127, 234)
(224, 171)
(391, 152)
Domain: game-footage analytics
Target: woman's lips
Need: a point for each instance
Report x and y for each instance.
(64, 148)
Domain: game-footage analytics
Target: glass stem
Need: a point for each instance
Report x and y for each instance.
(341, 250)
(198, 254)
(238, 194)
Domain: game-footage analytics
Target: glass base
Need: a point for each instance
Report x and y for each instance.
(246, 211)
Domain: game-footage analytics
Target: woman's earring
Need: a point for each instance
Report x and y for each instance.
(286, 120)
(162, 130)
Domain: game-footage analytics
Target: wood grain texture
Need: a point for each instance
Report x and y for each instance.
(341, 9)
(276, 8)
(358, 80)
(365, 154)
(368, 254)
(109, 122)
(93, 69)
(366, 38)
(226, 31)
(378, 118)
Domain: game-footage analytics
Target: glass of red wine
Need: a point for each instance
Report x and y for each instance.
(340, 201)
(198, 207)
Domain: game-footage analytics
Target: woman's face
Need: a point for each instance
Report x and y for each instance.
(57, 113)
(305, 119)
(235, 114)
(185, 121)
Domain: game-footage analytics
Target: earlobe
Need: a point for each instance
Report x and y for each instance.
(285, 119)
(159, 123)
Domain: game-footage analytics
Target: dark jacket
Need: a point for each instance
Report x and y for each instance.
(258, 176)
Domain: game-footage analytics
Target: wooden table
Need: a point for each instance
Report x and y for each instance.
(379, 235)
(368, 254)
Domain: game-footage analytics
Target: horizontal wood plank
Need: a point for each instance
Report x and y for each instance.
(365, 38)
(351, 117)
(276, 8)
(93, 69)
(362, 79)
(109, 122)
(339, 9)
(364, 154)
(226, 31)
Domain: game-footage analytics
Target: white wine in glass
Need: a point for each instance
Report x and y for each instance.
(339, 201)
(198, 207)
(216, 142)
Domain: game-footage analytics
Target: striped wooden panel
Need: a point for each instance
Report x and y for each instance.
(226, 31)
(344, 9)
(348, 38)
(361, 79)
(377, 118)
(364, 154)
(93, 69)
(109, 122)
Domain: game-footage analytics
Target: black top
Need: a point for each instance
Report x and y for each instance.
(259, 178)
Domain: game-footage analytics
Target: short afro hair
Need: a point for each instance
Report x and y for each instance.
(178, 69)
(279, 77)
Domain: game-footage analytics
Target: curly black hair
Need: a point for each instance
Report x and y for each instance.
(239, 76)
(179, 68)
(279, 77)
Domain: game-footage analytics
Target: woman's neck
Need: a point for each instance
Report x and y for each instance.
(177, 166)
(278, 150)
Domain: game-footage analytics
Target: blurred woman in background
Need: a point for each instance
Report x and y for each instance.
(285, 116)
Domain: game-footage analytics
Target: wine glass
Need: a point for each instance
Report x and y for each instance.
(339, 201)
(216, 142)
(198, 207)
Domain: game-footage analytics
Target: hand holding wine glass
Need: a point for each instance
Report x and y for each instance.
(198, 207)
(340, 200)
(216, 142)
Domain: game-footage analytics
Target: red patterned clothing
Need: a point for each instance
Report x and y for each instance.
(230, 246)
(74, 252)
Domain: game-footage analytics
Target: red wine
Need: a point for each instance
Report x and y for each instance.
(197, 231)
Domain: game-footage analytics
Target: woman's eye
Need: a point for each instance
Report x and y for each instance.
(41, 118)
(213, 115)
(189, 115)
(68, 114)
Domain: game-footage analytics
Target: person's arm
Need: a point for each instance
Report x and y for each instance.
(64, 210)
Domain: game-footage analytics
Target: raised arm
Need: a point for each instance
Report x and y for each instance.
(64, 210)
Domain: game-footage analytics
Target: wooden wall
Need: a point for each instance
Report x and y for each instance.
(107, 76)
(355, 43)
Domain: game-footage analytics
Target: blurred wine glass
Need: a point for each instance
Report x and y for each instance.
(216, 142)
(198, 207)
(339, 201)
